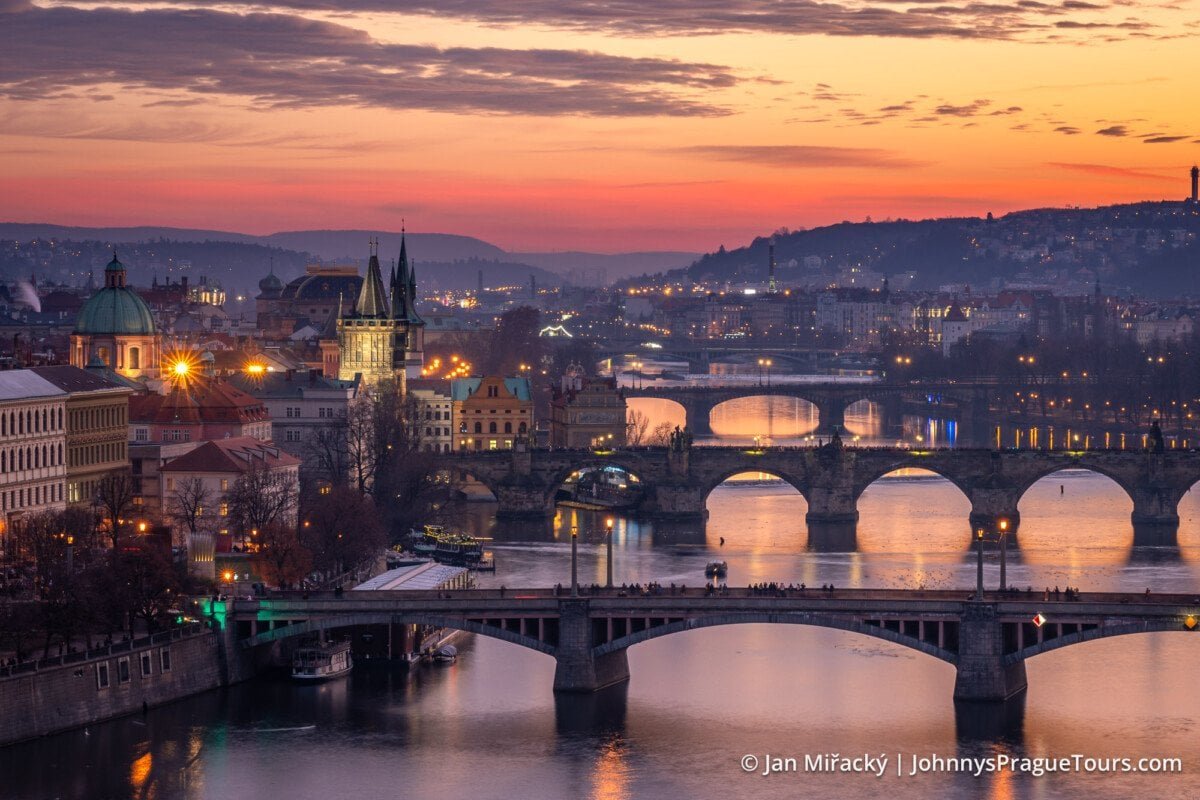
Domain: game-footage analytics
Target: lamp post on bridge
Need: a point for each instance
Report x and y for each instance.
(574, 561)
(608, 561)
(979, 565)
(1003, 554)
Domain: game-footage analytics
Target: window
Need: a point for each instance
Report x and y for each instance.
(491, 427)
(224, 484)
(224, 509)
(102, 680)
(170, 484)
(146, 664)
(123, 670)
(508, 427)
(135, 358)
(164, 659)
(479, 427)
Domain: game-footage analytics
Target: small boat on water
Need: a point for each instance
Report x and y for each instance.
(445, 547)
(446, 654)
(321, 661)
(716, 569)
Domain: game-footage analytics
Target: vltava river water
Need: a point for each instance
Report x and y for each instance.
(490, 727)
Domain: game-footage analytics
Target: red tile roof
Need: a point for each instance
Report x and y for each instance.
(239, 454)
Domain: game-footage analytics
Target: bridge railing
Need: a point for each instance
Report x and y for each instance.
(702, 591)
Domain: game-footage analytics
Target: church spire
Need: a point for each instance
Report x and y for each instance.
(372, 301)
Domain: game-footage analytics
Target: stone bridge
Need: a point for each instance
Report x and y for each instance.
(987, 640)
(969, 400)
(676, 483)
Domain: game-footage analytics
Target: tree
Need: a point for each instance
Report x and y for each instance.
(187, 506)
(515, 342)
(342, 529)
(150, 585)
(283, 559)
(327, 453)
(637, 426)
(661, 436)
(115, 494)
(42, 539)
(260, 497)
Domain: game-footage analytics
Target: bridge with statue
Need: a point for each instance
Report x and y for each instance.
(676, 481)
(967, 401)
(986, 636)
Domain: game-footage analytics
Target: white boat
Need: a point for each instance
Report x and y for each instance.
(321, 661)
(446, 654)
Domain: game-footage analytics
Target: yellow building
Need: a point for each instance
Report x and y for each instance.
(491, 413)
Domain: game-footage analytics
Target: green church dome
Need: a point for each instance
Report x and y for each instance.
(115, 310)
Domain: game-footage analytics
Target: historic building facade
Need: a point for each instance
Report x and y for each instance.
(97, 428)
(587, 412)
(491, 413)
(115, 325)
(381, 338)
(32, 448)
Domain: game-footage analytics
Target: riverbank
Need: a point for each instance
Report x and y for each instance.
(39, 698)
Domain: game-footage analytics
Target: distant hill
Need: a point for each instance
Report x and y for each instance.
(615, 266)
(351, 245)
(1152, 248)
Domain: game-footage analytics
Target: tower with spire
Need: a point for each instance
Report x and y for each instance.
(408, 348)
(366, 334)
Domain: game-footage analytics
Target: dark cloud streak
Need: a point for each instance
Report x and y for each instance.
(281, 60)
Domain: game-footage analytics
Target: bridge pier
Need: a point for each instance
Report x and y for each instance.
(1155, 516)
(698, 417)
(990, 506)
(578, 669)
(675, 501)
(983, 674)
(831, 417)
(523, 501)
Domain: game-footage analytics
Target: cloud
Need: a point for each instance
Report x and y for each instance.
(1162, 139)
(922, 19)
(1114, 130)
(279, 60)
(1108, 170)
(804, 156)
(1069, 130)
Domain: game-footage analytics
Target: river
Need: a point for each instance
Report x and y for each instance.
(697, 702)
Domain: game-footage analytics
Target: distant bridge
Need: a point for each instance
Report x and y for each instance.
(970, 401)
(987, 640)
(676, 483)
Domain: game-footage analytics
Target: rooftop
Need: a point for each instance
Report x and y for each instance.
(25, 384)
(239, 454)
(419, 575)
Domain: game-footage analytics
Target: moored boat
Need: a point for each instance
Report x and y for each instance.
(321, 661)
(446, 654)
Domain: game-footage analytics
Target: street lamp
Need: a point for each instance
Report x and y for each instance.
(979, 567)
(1003, 554)
(768, 364)
(608, 525)
(574, 561)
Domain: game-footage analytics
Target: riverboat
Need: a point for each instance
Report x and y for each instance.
(321, 661)
(445, 547)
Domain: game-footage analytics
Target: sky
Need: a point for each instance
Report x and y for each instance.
(603, 125)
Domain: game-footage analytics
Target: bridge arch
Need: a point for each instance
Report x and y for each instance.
(1088, 465)
(715, 480)
(326, 623)
(799, 618)
(558, 479)
(459, 474)
(789, 414)
(1092, 634)
(864, 482)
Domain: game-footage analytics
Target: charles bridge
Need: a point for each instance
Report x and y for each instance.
(676, 482)
(968, 401)
(987, 637)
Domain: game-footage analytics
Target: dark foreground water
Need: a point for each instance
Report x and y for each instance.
(489, 726)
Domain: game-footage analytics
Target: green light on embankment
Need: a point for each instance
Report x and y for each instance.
(216, 611)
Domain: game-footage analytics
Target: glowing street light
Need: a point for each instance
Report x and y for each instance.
(608, 526)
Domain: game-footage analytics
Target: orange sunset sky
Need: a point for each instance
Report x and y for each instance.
(608, 125)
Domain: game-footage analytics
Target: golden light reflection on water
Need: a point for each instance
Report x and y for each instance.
(139, 773)
(610, 778)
